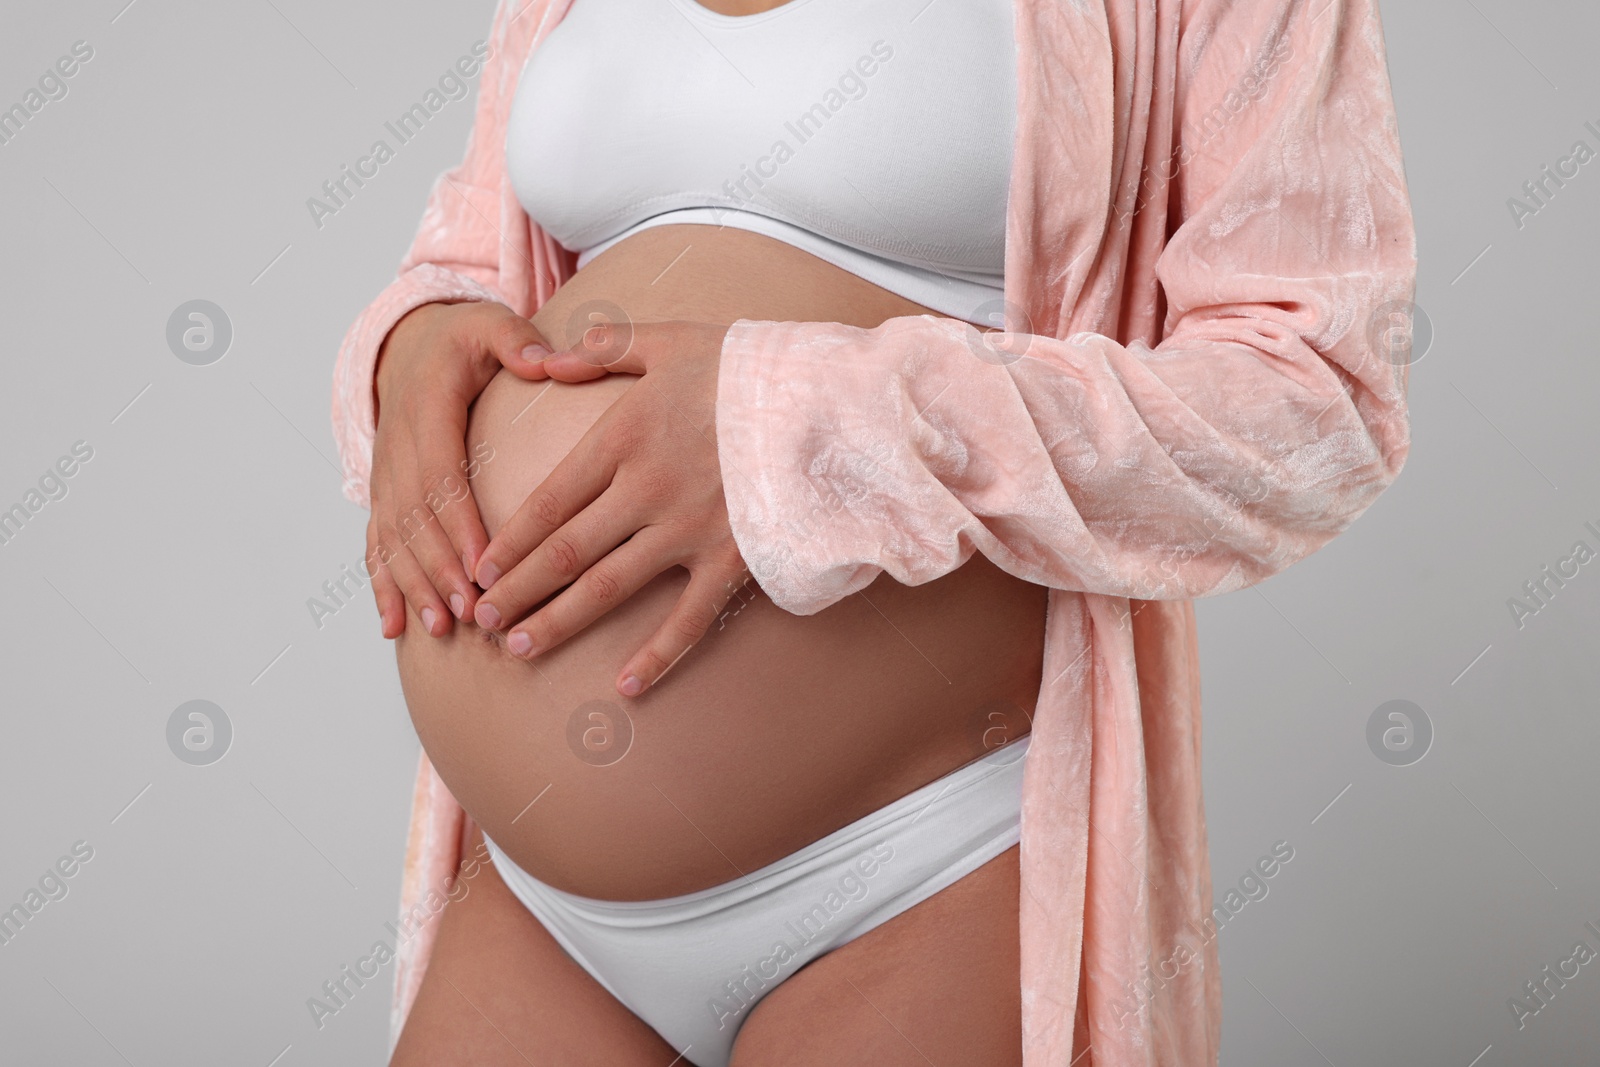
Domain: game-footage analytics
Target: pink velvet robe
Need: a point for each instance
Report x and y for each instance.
(1207, 218)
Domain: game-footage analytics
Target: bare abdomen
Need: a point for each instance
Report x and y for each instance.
(772, 732)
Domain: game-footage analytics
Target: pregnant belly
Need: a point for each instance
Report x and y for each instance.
(776, 729)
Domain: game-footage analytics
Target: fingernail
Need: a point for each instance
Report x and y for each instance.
(535, 353)
(520, 643)
(457, 604)
(488, 574)
(466, 564)
(429, 616)
(487, 617)
(631, 686)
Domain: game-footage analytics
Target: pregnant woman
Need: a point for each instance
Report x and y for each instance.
(793, 440)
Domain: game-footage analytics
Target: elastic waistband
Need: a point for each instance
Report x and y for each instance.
(999, 770)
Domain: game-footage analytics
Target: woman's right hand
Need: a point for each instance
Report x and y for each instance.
(431, 367)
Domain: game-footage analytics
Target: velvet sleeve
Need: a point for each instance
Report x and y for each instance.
(1263, 423)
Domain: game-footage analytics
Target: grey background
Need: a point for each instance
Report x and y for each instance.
(220, 897)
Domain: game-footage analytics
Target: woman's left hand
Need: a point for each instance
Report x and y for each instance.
(639, 494)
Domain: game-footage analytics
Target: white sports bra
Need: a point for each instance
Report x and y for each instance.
(874, 134)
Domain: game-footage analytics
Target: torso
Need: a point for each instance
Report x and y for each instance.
(776, 729)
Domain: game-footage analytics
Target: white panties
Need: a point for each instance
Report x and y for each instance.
(693, 966)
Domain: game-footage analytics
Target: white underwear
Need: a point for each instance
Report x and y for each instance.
(693, 966)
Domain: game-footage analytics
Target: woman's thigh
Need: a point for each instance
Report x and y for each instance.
(940, 983)
(499, 991)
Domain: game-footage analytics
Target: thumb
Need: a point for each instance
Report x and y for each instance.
(519, 346)
(604, 348)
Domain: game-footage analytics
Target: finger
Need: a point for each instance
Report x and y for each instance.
(708, 592)
(568, 367)
(519, 346)
(605, 584)
(437, 558)
(607, 348)
(464, 541)
(559, 559)
(582, 475)
(411, 578)
(450, 557)
(391, 602)
(629, 347)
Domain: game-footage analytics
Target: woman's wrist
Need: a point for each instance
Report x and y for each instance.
(383, 368)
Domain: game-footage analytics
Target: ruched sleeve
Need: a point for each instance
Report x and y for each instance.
(1269, 416)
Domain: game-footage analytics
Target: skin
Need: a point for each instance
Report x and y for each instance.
(775, 730)
(762, 732)
(623, 506)
(937, 983)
